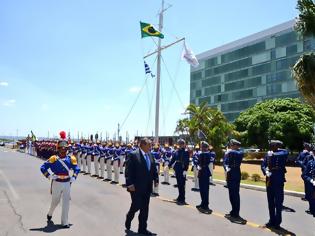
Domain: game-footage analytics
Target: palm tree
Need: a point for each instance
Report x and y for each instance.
(304, 69)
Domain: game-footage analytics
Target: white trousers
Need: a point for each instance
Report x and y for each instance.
(156, 188)
(96, 165)
(121, 165)
(60, 189)
(102, 166)
(211, 171)
(116, 171)
(196, 180)
(166, 172)
(109, 168)
(88, 162)
(83, 162)
(78, 156)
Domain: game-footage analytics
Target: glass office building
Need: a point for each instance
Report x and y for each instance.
(237, 75)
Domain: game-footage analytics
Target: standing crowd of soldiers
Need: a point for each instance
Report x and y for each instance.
(109, 157)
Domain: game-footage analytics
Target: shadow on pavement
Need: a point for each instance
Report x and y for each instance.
(282, 231)
(49, 228)
(287, 209)
(131, 233)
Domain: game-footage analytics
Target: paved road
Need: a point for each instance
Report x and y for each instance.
(99, 208)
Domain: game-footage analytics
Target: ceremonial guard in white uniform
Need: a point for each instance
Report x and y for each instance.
(57, 169)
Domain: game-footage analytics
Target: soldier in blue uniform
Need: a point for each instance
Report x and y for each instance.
(232, 165)
(95, 156)
(309, 178)
(60, 165)
(273, 167)
(180, 164)
(158, 159)
(301, 161)
(204, 159)
(194, 167)
(166, 157)
(108, 160)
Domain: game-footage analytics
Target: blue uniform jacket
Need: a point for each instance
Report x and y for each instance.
(180, 160)
(204, 160)
(58, 169)
(276, 165)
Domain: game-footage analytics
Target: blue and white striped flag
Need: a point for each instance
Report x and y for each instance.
(148, 70)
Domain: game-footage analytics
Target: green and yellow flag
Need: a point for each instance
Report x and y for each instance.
(147, 30)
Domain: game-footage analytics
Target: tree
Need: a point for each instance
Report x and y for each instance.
(207, 124)
(287, 119)
(304, 69)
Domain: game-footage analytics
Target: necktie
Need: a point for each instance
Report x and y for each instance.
(147, 158)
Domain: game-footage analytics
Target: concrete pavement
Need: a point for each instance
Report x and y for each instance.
(99, 208)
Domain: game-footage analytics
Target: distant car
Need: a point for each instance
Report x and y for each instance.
(251, 150)
(2, 144)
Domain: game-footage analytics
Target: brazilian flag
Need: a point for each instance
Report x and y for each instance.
(147, 30)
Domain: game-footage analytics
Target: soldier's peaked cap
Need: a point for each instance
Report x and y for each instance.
(181, 141)
(275, 142)
(234, 142)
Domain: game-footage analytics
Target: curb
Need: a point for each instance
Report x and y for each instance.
(259, 188)
(263, 189)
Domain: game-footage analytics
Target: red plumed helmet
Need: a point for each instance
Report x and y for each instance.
(63, 134)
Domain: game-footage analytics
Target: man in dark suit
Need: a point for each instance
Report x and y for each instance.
(140, 173)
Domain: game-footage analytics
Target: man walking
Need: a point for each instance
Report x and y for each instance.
(140, 174)
(60, 165)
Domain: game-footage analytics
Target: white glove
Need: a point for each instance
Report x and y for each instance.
(228, 169)
(268, 174)
(198, 168)
(72, 180)
(270, 153)
(184, 173)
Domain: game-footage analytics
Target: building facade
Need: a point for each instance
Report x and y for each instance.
(237, 75)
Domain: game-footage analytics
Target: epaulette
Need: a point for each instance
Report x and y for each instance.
(53, 159)
(73, 160)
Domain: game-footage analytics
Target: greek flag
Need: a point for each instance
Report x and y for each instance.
(148, 70)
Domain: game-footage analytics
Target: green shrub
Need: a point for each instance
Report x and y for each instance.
(256, 177)
(244, 175)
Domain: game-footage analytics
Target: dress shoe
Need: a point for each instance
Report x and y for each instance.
(145, 232)
(205, 210)
(49, 218)
(198, 206)
(308, 212)
(269, 225)
(181, 203)
(66, 226)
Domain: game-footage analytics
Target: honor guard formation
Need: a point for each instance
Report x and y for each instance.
(106, 161)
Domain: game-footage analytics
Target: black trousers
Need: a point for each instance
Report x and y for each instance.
(234, 195)
(275, 198)
(139, 201)
(204, 182)
(310, 190)
(180, 185)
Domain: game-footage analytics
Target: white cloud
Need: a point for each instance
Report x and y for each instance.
(4, 84)
(134, 89)
(9, 103)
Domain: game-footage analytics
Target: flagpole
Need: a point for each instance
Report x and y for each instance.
(158, 76)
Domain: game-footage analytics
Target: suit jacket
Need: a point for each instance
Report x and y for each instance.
(137, 172)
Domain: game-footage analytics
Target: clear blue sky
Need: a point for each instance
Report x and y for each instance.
(77, 65)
